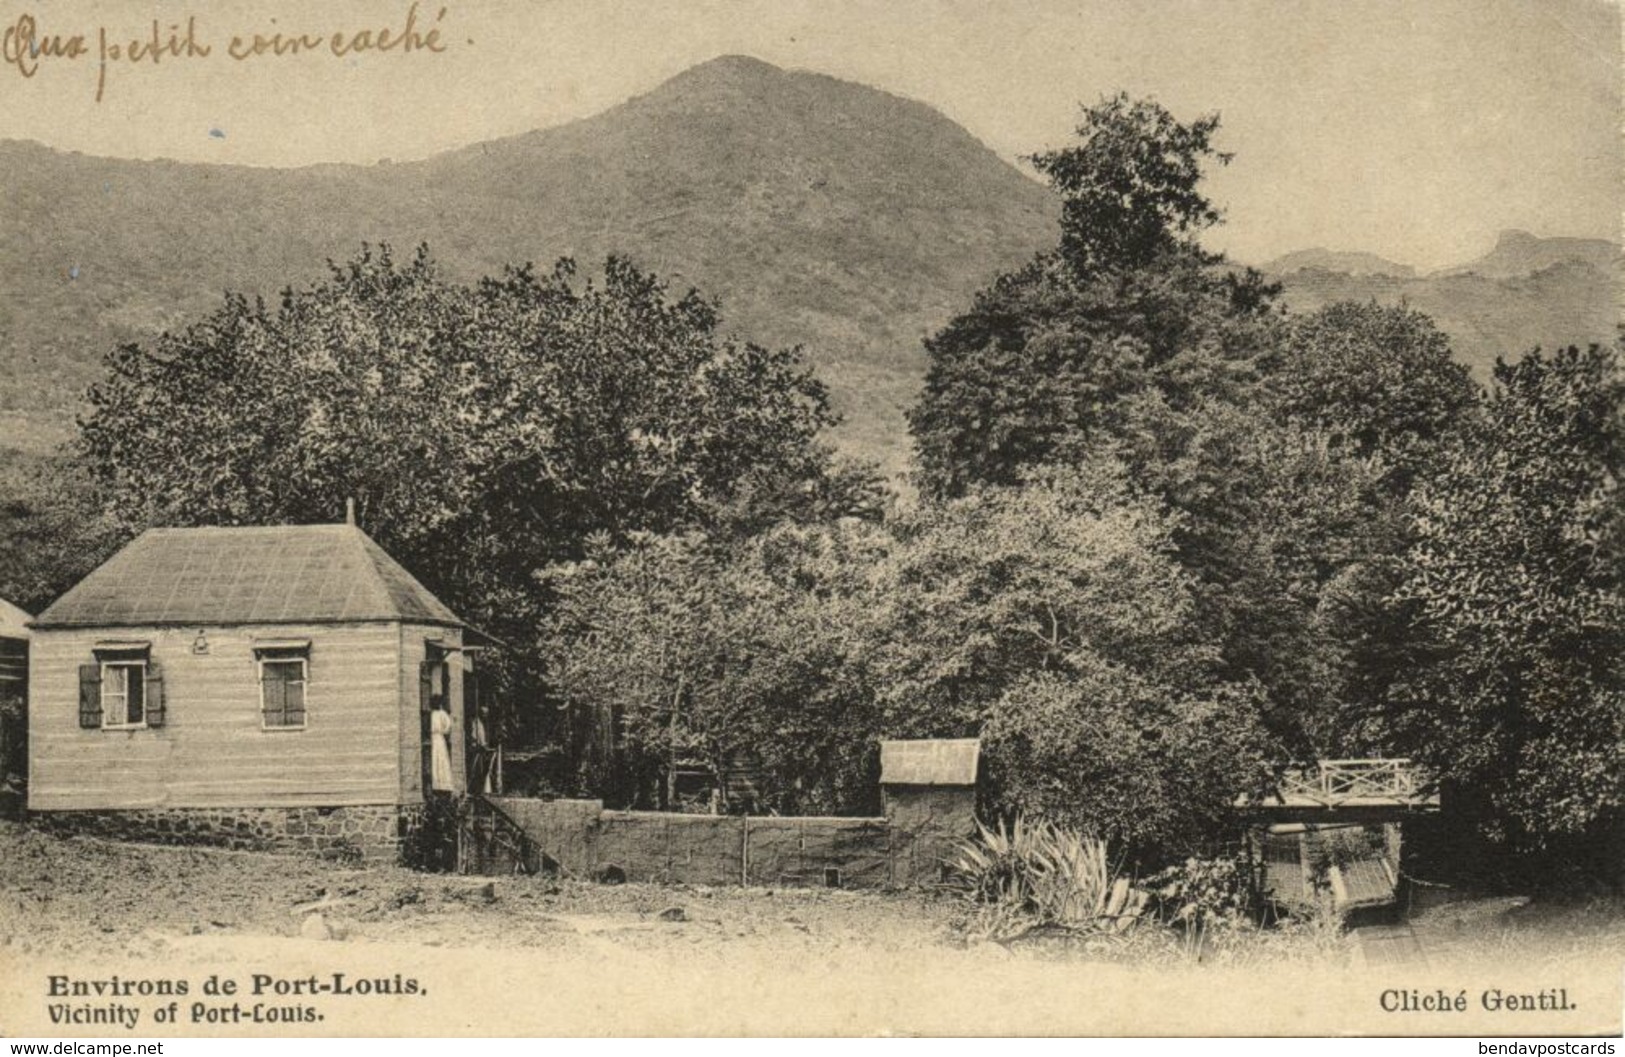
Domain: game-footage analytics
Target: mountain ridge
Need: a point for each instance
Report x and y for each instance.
(1519, 253)
(1348, 262)
(819, 212)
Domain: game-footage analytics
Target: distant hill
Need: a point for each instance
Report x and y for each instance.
(1518, 253)
(1349, 263)
(1524, 293)
(820, 212)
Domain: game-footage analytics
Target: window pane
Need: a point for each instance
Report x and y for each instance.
(122, 694)
(271, 699)
(294, 701)
(283, 671)
(135, 684)
(112, 709)
(112, 681)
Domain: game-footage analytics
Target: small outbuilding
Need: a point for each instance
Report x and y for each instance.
(928, 788)
(284, 686)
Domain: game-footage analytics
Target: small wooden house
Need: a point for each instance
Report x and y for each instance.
(258, 687)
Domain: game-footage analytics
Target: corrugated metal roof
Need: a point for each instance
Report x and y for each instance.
(935, 761)
(276, 574)
(13, 621)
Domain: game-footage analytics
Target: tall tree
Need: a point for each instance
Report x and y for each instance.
(1128, 322)
(1379, 381)
(1515, 589)
(1130, 186)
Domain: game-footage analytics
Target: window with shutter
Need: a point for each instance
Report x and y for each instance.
(115, 693)
(284, 675)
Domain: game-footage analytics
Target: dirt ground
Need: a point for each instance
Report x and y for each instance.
(537, 955)
(91, 895)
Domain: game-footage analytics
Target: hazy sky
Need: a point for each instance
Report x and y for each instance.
(1412, 129)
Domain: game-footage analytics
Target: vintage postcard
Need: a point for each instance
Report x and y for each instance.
(755, 517)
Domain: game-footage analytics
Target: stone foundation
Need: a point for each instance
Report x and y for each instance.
(355, 833)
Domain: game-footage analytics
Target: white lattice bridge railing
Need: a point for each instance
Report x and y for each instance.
(1332, 784)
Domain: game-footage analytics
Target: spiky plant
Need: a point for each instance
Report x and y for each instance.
(1039, 874)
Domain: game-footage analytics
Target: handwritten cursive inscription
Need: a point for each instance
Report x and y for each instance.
(28, 48)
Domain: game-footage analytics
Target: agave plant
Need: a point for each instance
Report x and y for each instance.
(1038, 874)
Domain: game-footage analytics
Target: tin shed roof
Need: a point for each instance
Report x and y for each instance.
(938, 761)
(276, 574)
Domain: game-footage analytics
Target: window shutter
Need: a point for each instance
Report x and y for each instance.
(293, 701)
(155, 695)
(273, 698)
(90, 696)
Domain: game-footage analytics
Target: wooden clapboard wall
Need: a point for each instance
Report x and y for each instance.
(211, 750)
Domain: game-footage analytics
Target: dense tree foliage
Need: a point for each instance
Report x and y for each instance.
(1055, 621)
(483, 431)
(1050, 620)
(1398, 565)
(749, 657)
(53, 528)
(1378, 381)
(1513, 590)
(1114, 336)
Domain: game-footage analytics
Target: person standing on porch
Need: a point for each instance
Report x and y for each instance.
(440, 751)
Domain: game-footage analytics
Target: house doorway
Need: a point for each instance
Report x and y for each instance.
(437, 837)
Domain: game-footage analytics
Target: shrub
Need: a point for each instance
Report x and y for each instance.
(1202, 898)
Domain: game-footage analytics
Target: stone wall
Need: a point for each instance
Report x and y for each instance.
(371, 832)
(821, 852)
(662, 846)
(581, 839)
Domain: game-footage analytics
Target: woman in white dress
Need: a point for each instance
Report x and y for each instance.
(440, 750)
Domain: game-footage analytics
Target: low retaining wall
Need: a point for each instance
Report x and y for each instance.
(580, 838)
(370, 832)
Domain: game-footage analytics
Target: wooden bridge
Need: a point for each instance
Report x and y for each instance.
(1331, 832)
(1376, 790)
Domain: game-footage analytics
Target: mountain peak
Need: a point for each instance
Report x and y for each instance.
(735, 65)
(730, 73)
(1517, 253)
(1514, 237)
(1347, 262)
